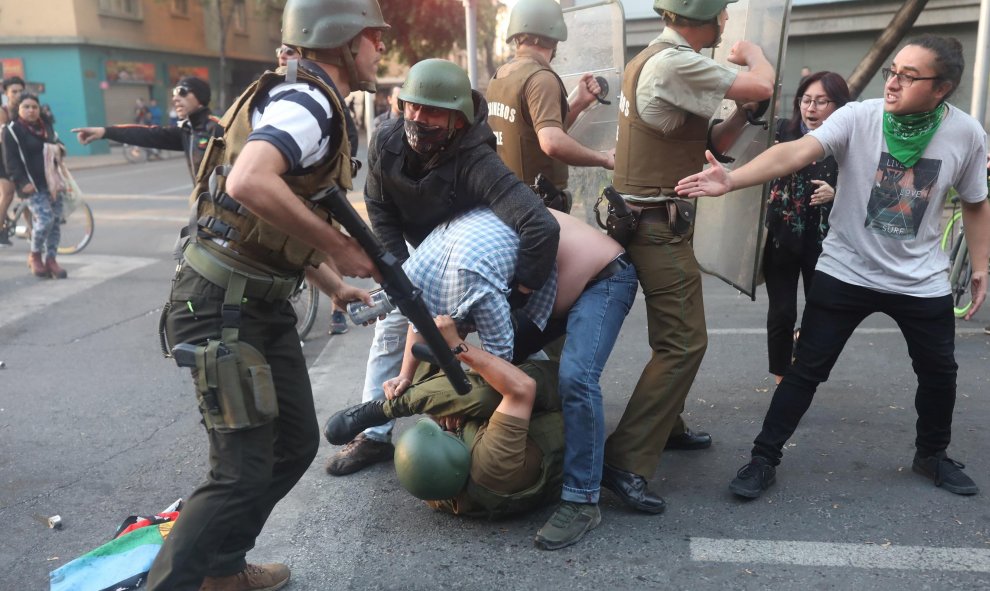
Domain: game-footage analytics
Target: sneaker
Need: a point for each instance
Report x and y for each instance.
(254, 577)
(567, 525)
(946, 473)
(350, 422)
(753, 478)
(338, 322)
(358, 455)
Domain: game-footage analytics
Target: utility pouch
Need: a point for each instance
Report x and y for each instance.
(234, 385)
(621, 220)
(680, 216)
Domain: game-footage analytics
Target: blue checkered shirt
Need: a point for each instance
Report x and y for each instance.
(464, 268)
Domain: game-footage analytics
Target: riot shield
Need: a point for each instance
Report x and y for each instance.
(596, 44)
(729, 233)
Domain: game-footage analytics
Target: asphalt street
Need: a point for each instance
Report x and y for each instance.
(96, 426)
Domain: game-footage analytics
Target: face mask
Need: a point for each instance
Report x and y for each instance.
(425, 139)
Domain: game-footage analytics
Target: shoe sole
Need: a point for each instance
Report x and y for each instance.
(967, 491)
(692, 447)
(545, 544)
(749, 494)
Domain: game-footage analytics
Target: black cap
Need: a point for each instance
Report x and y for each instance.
(199, 88)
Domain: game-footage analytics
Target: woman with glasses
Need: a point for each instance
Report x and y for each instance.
(797, 215)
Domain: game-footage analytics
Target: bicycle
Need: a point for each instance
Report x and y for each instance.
(77, 230)
(305, 301)
(137, 154)
(960, 266)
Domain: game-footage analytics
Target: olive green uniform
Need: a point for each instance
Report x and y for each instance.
(516, 464)
(663, 123)
(525, 96)
(229, 299)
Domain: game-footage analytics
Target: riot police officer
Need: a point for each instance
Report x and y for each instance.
(527, 102)
(253, 234)
(669, 93)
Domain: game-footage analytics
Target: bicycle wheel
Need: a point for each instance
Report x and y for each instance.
(305, 301)
(77, 230)
(960, 275)
(953, 229)
(135, 154)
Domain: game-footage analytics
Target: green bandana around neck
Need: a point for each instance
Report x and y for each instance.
(908, 135)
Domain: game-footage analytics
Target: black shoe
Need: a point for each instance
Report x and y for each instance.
(358, 455)
(348, 423)
(753, 478)
(632, 489)
(946, 473)
(689, 440)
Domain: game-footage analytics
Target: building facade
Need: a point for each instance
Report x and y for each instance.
(92, 59)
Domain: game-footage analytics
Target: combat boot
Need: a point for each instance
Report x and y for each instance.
(37, 267)
(54, 270)
(254, 577)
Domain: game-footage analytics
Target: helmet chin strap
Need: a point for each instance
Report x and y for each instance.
(347, 53)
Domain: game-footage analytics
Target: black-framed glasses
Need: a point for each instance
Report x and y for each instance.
(181, 91)
(821, 103)
(904, 80)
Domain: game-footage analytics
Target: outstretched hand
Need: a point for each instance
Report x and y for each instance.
(712, 182)
(87, 134)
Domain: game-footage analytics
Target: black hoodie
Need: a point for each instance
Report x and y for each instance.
(467, 174)
(190, 136)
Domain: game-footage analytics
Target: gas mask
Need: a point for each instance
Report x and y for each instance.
(425, 139)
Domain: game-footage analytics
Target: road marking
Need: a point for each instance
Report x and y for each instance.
(867, 556)
(867, 331)
(85, 271)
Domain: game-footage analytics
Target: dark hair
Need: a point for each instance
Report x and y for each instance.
(8, 82)
(835, 88)
(949, 61)
(27, 96)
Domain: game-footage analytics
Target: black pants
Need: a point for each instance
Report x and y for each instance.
(250, 469)
(782, 267)
(833, 310)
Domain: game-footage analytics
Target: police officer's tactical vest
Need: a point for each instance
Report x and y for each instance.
(509, 118)
(253, 240)
(547, 431)
(649, 162)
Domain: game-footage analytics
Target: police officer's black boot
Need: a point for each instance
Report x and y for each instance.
(348, 423)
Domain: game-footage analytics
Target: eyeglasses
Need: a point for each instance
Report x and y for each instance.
(287, 51)
(821, 103)
(373, 35)
(904, 80)
(181, 91)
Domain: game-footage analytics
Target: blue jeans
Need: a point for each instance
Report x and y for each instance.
(45, 229)
(384, 362)
(593, 325)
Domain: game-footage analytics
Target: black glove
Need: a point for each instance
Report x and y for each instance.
(518, 299)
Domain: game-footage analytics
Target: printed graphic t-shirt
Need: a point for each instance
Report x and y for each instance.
(885, 219)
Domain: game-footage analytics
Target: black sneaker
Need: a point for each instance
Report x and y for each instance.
(946, 473)
(358, 455)
(753, 478)
(348, 423)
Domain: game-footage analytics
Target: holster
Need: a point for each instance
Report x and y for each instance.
(620, 227)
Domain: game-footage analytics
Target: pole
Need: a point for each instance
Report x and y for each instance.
(981, 66)
(471, 23)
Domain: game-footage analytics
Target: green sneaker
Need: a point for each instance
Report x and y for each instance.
(567, 525)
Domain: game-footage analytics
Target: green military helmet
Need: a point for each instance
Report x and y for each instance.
(537, 17)
(439, 83)
(699, 10)
(326, 24)
(431, 465)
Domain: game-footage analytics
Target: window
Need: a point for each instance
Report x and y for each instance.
(240, 17)
(130, 9)
(180, 8)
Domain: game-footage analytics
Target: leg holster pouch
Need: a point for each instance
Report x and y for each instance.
(234, 386)
(680, 215)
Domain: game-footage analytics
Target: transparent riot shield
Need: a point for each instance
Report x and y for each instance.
(729, 233)
(596, 44)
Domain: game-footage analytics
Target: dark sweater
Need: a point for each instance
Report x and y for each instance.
(190, 136)
(32, 168)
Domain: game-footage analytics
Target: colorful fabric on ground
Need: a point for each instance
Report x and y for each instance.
(118, 565)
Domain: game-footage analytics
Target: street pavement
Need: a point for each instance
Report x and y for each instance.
(96, 426)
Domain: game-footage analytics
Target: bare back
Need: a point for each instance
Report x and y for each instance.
(582, 253)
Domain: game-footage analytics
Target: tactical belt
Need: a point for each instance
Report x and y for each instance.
(268, 288)
(617, 265)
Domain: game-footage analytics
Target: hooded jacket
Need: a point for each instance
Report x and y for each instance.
(190, 136)
(468, 173)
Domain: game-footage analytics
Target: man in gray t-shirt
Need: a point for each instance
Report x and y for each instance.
(898, 158)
